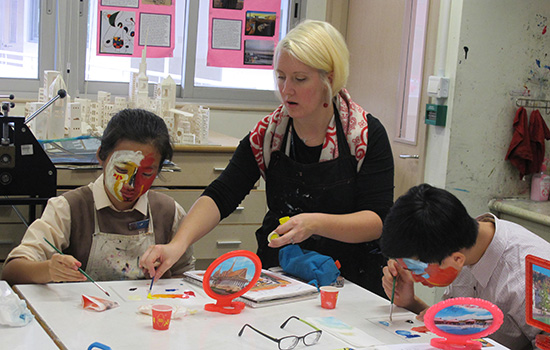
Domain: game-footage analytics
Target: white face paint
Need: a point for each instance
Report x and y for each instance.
(121, 170)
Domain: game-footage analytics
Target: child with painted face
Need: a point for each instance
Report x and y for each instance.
(430, 238)
(104, 227)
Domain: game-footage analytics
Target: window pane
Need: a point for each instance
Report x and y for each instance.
(414, 71)
(19, 38)
(118, 69)
(239, 78)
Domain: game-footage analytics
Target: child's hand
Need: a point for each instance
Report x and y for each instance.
(420, 316)
(65, 268)
(404, 286)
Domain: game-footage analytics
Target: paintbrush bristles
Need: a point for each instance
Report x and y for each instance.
(150, 287)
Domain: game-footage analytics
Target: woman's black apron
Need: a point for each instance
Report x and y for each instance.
(324, 187)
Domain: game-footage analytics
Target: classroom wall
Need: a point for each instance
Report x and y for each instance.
(504, 39)
(236, 123)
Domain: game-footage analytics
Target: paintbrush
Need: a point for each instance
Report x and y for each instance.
(79, 269)
(392, 296)
(151, 286)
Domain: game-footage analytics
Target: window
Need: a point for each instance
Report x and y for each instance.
(204, 76)
(197, 81)
(23, 30)
(416, 19)
(118, 69)
(60, 35)
(19, 41)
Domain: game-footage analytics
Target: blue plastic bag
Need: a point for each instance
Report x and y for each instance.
(312, 267)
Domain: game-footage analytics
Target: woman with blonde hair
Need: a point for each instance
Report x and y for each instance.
(326, 162)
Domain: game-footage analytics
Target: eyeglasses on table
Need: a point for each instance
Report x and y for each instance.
(289, 342)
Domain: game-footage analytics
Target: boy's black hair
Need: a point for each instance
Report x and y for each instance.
(140, 126)
(428, 224)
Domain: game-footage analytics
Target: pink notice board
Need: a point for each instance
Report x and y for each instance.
(243, 33)
(126, 26)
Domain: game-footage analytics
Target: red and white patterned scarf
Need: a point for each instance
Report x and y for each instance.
(267, 135)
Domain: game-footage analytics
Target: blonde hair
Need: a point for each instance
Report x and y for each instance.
(321, 46)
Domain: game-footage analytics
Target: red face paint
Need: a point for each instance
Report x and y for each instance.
(142, 180)
(129, 174)
(430, 275)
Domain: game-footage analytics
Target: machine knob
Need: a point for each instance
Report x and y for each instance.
(5, 178)
(5, 159)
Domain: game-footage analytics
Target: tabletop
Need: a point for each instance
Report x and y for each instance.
(59, 306)
(30, 336)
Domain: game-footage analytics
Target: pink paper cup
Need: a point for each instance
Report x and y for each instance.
(162, 314)
(329, 296)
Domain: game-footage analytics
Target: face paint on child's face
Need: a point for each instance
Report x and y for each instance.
(430, 275)
(129, 174)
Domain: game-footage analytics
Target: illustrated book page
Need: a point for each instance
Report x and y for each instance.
(271, 287)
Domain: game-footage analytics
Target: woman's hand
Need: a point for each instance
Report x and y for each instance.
(64, 268)
(159, 258)
(297, 229)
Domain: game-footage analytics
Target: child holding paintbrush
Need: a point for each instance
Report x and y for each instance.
(104, 227)
(430, 238)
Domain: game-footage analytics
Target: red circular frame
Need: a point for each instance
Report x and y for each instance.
(464, 340)
(225, 303)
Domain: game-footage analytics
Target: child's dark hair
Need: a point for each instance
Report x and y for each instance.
(140, 126)
(429, 224)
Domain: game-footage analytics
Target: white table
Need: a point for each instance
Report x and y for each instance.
(30, 336)
(59, 306)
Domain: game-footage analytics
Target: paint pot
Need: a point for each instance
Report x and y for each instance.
(162, 314)
(329, 296)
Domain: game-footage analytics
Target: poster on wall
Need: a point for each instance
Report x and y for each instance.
(243, 33)
(126, 26)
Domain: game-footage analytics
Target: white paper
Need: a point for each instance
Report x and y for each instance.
(351, 335)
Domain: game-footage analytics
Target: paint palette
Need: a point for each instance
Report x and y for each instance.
(406, 326)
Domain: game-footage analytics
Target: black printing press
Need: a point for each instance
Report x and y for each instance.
(27, 175)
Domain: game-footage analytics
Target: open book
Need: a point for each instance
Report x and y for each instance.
(272, 288)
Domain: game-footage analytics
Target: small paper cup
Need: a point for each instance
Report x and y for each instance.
(329, 296)
(162, 314)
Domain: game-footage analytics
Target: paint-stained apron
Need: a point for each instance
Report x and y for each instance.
(115, 256)
(324, 187)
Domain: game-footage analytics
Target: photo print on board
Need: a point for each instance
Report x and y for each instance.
(260, 23)
(258, 52)
(228, 4)
(117, 32)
